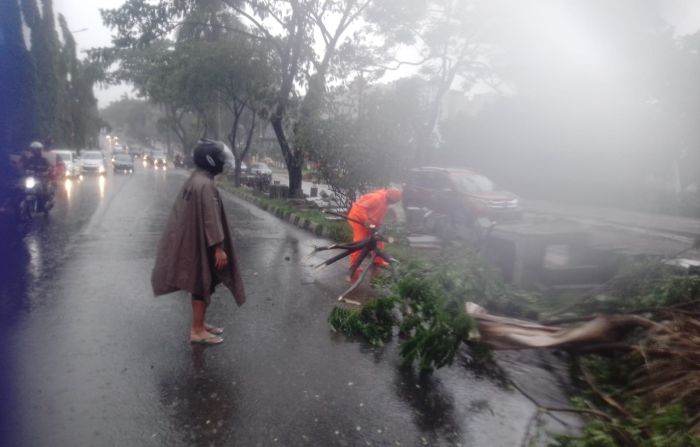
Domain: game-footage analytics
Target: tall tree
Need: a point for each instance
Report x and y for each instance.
(45, 51)
(82, 123)
(17, 113)
(289, 28)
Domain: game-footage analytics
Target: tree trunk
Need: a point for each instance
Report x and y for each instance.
(295, 190)
(232, 137)
(293, 159)
(237, 172)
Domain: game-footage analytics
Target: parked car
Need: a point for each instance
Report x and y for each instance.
(462, 194)
(92, 162)
(123, 163)
(260, 169)
(70, 161)
(258, 176)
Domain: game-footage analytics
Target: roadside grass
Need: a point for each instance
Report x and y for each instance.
(338, 230)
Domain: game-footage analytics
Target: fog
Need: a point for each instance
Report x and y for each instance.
(588, 100)
(596, 101)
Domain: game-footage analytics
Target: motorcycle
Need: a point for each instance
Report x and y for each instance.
(18, 206)
(179, 161)
(29, 203)
(37, 196)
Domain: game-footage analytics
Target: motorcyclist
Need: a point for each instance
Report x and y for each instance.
(35, 162)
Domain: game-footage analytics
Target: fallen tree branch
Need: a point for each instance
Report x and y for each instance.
(588, 377)
(590, 411)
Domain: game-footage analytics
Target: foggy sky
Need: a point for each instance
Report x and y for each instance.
(683, 15)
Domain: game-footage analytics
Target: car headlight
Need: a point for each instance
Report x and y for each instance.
(29, 182)
(101, 169)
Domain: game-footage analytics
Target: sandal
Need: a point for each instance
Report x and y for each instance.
(213, 340)
(213, 329)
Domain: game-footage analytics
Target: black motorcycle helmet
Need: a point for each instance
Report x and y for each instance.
(212, 156)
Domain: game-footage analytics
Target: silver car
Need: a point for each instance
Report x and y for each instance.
(92, 162)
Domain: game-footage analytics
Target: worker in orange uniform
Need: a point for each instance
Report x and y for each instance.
(370, 209)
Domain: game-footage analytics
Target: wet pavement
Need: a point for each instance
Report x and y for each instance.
(93, 359)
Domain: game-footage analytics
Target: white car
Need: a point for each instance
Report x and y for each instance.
(92, 162)
(70, 160)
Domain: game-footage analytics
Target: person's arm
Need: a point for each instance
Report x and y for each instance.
(220, 257)
(211, 210)
(213, 227)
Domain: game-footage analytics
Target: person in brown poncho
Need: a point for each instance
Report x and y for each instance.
(196, 252)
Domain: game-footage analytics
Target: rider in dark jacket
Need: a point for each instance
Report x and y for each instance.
(34, 161)
(40, 167)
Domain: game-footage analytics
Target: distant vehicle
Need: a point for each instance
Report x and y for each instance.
(260, 169)
(260, 172)
(147, 154)
(123, 163)
(158, 160)
(136, 151)
(257, 175)
(118, 152)
(462, 194)
(92, 162)
(70, 161)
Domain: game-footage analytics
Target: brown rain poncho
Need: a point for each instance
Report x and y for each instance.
(185, 259)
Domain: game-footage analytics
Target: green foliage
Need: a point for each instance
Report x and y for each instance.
(643, 284)
(657, 426)
(65, 104)
(462, 276)
(339, 231)
(433, 293)
(374, 322)
(18, 111)
(429, 296)
(435, 323)
(655, 285)
(136, 118)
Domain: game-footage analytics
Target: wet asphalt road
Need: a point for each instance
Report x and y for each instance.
(93, 359)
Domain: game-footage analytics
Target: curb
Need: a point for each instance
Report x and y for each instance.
(290, 217)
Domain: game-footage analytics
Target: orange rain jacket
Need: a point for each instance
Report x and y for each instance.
(371, 207)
